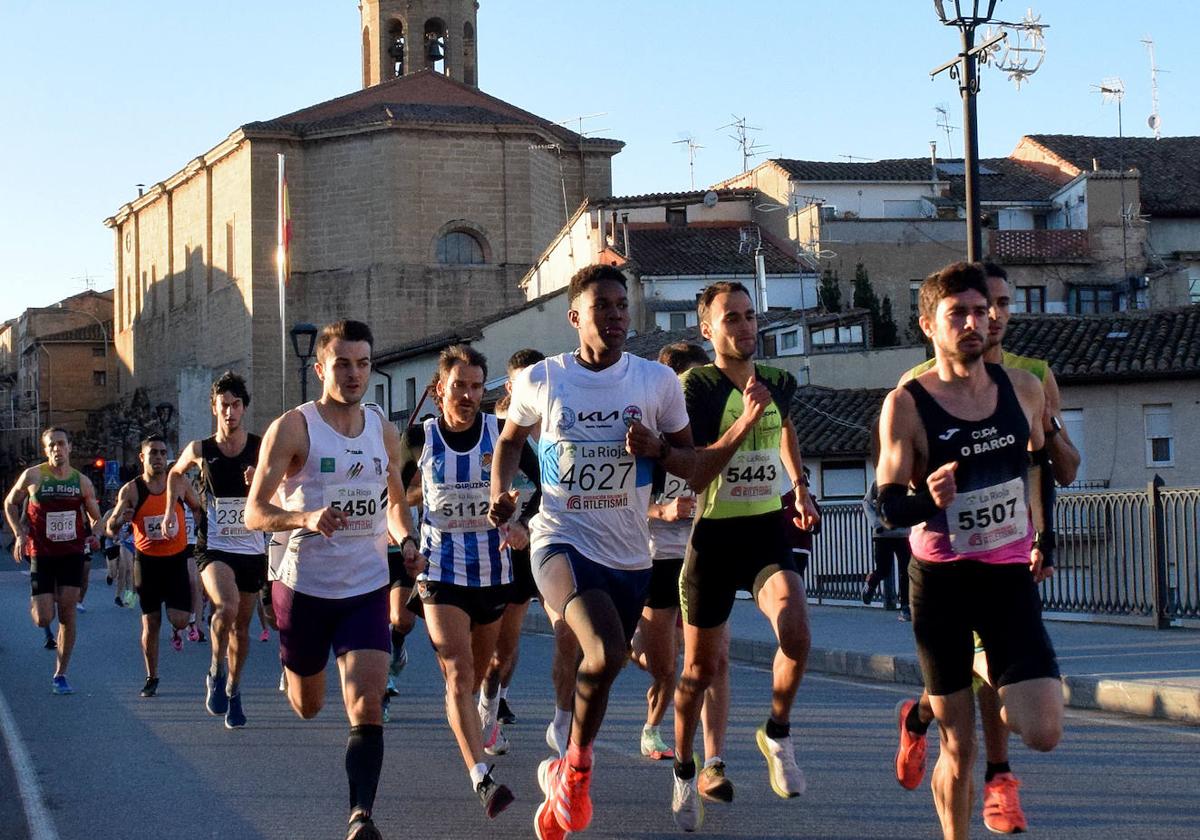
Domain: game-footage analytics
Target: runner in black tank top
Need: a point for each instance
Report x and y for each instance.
(231, 558)
(982, 489)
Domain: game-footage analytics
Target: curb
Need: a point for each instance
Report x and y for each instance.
(1136, 698)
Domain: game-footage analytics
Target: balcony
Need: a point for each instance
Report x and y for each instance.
(1039, 246)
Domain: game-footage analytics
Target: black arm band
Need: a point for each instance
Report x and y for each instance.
(1041, 497)
(898, 509)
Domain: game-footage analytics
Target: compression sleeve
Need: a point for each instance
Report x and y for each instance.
(1041, 504)
(529, 465)
(898, 509)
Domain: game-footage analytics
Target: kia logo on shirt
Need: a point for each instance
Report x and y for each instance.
(598, 416)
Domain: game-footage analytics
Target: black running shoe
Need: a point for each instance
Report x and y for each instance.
(495, 798)
(362, 828)
(151, 687)
(50, 643)
(504, 714)
(108, 579)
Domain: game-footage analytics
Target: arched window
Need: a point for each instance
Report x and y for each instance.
(470, 74)
(457, 247)
(436, 45)
(395, 48)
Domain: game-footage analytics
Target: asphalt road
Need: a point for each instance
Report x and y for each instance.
(109, 764)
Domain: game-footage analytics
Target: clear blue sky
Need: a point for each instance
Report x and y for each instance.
(99, 96)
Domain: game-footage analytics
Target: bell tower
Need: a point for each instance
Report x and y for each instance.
(405, 36)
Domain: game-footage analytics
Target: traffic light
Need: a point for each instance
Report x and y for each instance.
(99, 464)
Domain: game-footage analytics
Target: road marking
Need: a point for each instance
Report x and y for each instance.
(41, 826)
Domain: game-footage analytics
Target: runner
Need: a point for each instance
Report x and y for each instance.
(45, 509)
(982, 534)
(740, 413)
(1002, 811)
(337, 463)
(160, 559)
(605, 417)
(469, 580)
(493, 691)
(231, 559)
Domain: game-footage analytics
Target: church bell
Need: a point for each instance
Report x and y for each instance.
(433, 51)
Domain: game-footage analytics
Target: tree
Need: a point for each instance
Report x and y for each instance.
(883, 323)
(830, 293)
(887, 334)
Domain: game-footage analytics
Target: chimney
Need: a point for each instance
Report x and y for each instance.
(933, 159)
(1095, 164)
(625, 234)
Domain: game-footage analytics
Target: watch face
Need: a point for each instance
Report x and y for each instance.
(1056, 423)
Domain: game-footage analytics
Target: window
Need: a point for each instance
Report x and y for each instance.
(410, 393)
(1072, 419)
(677, 216)
(770, 346)
(379, 395)
(914, 296)
(1029, 299)
(678, 320)
(846, 334)
(229, 251)
(1160, 442)
(843, 479)
(1092, 300)
(1193, 287)
(459, 248)
(98, 353)
(99, 377)
(787, 340)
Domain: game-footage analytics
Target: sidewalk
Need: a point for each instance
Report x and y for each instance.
(1115, 668)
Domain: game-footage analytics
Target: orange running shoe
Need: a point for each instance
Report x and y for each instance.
(1002, 812)
(574, 807)
(545, 821)
(910, 755)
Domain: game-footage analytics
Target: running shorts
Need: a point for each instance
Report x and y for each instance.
(626, 587)
(249, 570)
(47, 574)
(523, 585)
(398, 576)
(309, 627)
(162, 580)
(664, 584)
(482, 604)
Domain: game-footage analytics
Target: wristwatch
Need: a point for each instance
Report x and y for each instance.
(1056, 426)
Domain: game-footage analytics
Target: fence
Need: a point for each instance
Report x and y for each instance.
(1123, 555)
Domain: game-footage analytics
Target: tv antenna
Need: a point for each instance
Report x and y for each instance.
(943, 122)
(741, 136)
(89, 282)
(1112, 89)
(1025, 48)
(578, 122)
(692, 147)
(1154, 120)
(852, 158)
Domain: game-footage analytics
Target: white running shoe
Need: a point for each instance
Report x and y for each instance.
(787, 779)
(496, 743)
(552, 740)
(686, 805)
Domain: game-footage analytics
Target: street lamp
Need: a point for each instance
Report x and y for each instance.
(303, 337)
(967, 16)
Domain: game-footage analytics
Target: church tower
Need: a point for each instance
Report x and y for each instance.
(406, 36)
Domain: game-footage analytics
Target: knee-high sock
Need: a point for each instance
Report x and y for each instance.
(364, 762)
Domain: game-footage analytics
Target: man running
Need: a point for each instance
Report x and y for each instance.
(969, 437)
(468, 583)
(493, 691)
(739, 411)
(231, 558)
(605, 417)
(337, 464)
(1002, 811)
(45, 509)
(160, 572)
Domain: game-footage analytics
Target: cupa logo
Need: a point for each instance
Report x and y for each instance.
(632, 414)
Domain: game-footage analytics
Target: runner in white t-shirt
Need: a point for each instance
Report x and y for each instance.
(605, 418)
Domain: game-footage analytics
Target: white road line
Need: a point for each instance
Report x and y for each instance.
(41, 825)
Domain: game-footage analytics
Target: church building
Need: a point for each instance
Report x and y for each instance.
(417, 203)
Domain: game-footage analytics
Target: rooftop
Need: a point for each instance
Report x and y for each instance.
(832, 422)
(700, 251)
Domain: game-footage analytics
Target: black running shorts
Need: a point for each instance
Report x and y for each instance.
(162, 580)
(523, 585)
(249, 570)
(482, 604)
(664, 585)
(47, 574)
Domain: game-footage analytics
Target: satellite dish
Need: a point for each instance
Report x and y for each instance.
(1154, 121)
(711, 199)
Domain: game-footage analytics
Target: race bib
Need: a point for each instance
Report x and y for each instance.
(360, 503)
(675, 487)
(230, 517)
(596, 475)
(153, 526)
(988, 518)
(751, 476)
(60, 525)
(460, 508)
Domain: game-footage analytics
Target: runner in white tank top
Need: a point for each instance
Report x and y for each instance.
(337, 464)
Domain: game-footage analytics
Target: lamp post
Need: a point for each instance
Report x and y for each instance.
(303, 337)
(967, 16)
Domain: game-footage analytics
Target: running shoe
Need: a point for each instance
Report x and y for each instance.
(387, 708)
(787, 779)
(399, 660)
(392, 689)
(150, 688)
(686, 805)
(868, 589)
(714, 785)
(80, 607)
(283, 681)
(552, 740)
(200, 637)
(50, 643)
(905, 614)
(653, 746)
(265, 635)
(504, 714)
(193, 632)
(910, 754)
(1002, 812)
(496, 743)
(108, 579)
(574, 808)
(495, 798)
(216, 702)
(362, 828)
(128, 597)
(545, 823)
(176, 641)
(117, 600)
(235, 718)
(59, 685)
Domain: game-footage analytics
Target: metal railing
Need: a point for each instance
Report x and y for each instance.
(1123, 555)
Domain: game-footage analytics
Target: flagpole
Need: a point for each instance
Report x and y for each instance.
(281, 270)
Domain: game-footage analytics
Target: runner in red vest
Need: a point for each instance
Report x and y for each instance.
(53, 498)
